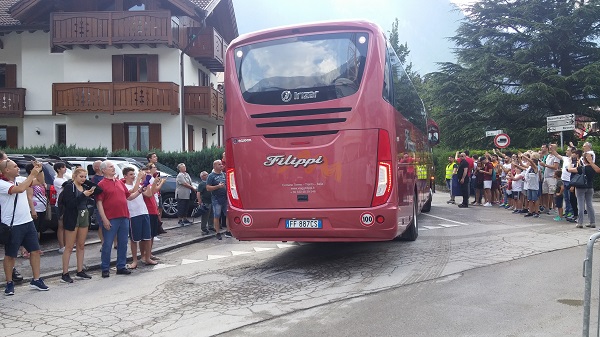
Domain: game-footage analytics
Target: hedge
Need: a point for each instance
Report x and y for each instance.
(195, 162)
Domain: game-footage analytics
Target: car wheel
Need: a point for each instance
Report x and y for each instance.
(169, 206)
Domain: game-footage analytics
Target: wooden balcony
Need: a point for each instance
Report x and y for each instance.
(12, 102)
(111, 97)
(208, 48)
(112, 29)
(204, 101)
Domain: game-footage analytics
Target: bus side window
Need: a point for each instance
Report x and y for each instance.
(406, 98)
(387, 82)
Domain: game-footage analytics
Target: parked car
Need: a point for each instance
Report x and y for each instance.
(167, 192)
(49, 174)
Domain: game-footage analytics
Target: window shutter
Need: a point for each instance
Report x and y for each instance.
(10, 76)
(155, 137)
(118, 136)
(12, 137)
(152, 65)
(117, 68)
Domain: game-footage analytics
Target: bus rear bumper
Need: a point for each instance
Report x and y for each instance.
(340, 225)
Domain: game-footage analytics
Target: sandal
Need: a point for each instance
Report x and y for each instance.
(128, 266)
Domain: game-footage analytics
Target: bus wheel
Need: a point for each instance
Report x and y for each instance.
(427, 207)
(412, 232)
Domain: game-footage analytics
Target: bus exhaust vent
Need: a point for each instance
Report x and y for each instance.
(300, 134)
(301, 122)
(296, 113)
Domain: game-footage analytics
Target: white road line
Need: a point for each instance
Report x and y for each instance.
(214, 257)
(438, 217)
(235, 252)
(447, 225)
(260, 249)
(432, 227)
(186, 261)
(162, 266)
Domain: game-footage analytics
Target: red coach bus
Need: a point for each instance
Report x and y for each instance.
(326, 137)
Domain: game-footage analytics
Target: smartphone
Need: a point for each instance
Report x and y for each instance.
(147, 180)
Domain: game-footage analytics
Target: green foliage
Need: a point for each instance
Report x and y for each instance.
(518, 63)
(195, 162)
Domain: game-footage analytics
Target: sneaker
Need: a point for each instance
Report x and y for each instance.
(228, 234)
(123, 271)
(578, 226)
(463, 206)
(528, 214)
(487, 204)
(536, 215)
(156, 238)
(219, 236)
(205, 233)
(542, 208)
(516, 211)
(557, 218)
(16, 276)
(10, 289)
(81, 275)
(187, 222)
(105, 274)
(61, 250)
(66, 278)
(591, 225)
(180, 223)
(39, 284)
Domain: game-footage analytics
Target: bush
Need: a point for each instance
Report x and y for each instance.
(195, 162)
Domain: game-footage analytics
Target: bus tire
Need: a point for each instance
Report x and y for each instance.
(427, 207)
(412, 232)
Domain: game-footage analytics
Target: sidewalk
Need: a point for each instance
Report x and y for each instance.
(51, 261)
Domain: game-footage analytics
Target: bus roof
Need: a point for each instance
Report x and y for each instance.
(318, 26)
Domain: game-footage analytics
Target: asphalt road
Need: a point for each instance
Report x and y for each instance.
(473, 272)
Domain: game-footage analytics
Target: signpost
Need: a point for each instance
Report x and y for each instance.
(502, 141)
(559, 124)
(493, 133)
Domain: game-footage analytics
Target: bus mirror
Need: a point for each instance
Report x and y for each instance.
(433, 134)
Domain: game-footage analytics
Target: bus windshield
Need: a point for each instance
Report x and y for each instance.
(302, 69)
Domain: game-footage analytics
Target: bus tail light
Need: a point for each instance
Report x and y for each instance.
(232, 191)
(384, 170)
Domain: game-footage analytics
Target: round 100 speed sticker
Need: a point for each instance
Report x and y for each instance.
(367, 219)
(246, 220)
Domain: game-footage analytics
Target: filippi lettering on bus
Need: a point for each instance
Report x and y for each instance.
(290, 160)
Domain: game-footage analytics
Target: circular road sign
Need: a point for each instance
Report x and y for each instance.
(246, 220)
(367, 219)
(502, 141)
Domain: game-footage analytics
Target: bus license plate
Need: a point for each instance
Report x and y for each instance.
(297, 223)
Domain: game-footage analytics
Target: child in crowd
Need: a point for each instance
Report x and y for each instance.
(558, 195)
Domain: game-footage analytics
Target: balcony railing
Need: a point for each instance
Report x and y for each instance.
(113, 28)
(111, 97)
(203, 101)
(208, 48)
(12, 102)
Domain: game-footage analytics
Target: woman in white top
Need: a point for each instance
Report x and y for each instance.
(59, 180)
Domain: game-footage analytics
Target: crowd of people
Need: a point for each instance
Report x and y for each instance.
(127, 212)
(531, 183)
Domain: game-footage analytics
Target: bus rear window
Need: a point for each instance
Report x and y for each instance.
(302, 69)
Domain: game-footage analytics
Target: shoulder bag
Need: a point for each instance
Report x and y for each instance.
(579, 180)
(5, 230)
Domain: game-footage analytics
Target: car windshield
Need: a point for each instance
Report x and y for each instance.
(302, 69)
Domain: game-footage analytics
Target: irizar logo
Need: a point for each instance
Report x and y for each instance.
(292, 161)
(287, 95)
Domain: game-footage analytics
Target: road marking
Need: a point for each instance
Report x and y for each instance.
(235, 252)
(447, 225)
(439, 217)
(162, 266)
(260, 249)
(214, 257)
(186, 261)
(431, 227)
(285, 245)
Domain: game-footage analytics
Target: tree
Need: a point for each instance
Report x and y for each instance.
(518, 63)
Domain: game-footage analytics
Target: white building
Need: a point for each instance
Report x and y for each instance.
(109, 73)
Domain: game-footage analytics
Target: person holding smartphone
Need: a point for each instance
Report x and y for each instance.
(76, 221)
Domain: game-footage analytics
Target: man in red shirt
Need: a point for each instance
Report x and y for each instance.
(112, 206)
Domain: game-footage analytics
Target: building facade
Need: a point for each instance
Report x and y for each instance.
(120, 74)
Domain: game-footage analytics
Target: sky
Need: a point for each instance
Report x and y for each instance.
(425, 25)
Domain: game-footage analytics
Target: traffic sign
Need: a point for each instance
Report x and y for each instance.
(493, 133)
(560, 123)
(502, 141)
(561, 128)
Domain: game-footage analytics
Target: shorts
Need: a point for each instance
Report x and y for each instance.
(516, 194)
(532, 195)
(22, 235)
(558, 201)
(154, 225)
(487, 184)
(495, 184)
(140, 228)
(83, 218)
(219, 209)
(479, 185)
(549, 185)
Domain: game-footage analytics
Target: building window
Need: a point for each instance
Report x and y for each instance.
(8, 136)
(203, 79)
(191, 138)
(204, 138)
(61, 134)
(138, 137)
(135, 68)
